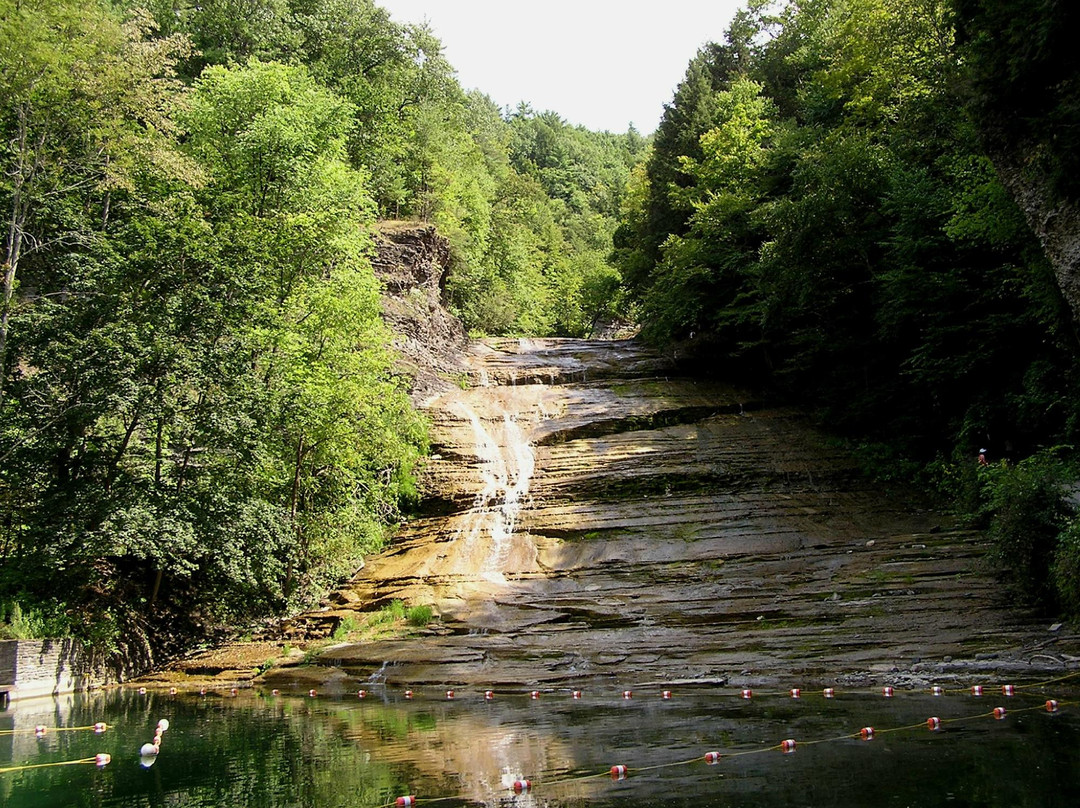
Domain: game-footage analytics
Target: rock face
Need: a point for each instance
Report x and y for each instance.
(592, 516)
(412, 261)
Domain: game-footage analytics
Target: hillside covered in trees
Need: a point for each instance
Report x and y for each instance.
(199, 424)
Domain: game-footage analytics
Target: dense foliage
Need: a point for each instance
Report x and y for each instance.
(818, 215)
(198, 420)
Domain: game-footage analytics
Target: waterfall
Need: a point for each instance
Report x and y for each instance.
(506, 469)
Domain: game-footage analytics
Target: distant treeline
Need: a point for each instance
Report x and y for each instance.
(198, 420)
(820, 213)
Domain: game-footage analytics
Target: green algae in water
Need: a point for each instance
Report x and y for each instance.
(257, 750)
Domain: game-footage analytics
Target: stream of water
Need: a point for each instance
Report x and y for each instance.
(271, 752)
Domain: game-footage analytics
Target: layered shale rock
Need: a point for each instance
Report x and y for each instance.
(412, 262)
(593, 516)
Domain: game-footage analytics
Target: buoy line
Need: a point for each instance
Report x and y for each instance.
(41, 729)
(620, 772)
(635, 694)
(99, 760)
(102, 759)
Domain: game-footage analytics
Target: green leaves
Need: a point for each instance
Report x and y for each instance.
(203, 418)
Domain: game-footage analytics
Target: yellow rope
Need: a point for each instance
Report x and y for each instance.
(47, 765)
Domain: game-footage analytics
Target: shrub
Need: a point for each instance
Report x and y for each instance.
(345, 628)
(419, 615)
(1029, 511)
(1065, 569)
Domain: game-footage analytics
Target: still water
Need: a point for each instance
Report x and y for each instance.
(265, 751)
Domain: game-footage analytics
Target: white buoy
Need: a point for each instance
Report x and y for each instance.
(149, 750)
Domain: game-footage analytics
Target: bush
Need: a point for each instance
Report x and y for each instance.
(17, 623)
(1029, 513)
(345, 628)
(419, 615)
(1065, 570)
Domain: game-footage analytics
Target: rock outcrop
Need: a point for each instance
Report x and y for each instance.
(412, 261)
(595, 517)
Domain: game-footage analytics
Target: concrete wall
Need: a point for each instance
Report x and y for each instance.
(31, 668)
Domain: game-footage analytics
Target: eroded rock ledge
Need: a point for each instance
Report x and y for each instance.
(412, 261)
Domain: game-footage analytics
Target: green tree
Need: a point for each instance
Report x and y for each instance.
(73, 79)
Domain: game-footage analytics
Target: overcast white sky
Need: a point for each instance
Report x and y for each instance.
(599, 63)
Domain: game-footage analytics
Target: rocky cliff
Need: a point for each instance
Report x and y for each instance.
(412, 261)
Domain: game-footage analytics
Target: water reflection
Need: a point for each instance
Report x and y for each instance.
(258, 750)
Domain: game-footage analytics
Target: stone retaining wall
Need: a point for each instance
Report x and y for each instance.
(31, 668)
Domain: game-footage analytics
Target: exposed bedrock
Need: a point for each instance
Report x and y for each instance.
(592, 516)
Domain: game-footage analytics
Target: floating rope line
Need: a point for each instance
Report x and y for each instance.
(40, 729)
(622, 772)
(97, 760)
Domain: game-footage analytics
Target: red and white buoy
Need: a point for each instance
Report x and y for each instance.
(618, 772)
(1052, 706)
(666, 694)
(887, 692)
(202, 691)
(748, 694)
(408, 694)
(535, 694)
(999, 713)
(489, 695)
(712, 758)
(1008, 690)
(796, 693)
(312, 693)
(866, 733)
(933, 724)
(361, 694)
(234, 691)
(522, 786)
(976, 690)
(102, 759)
(788, 746)
(40, 730)
(937, 691)
(275, 692)
(142, 691)
(449, 695)
(100, 727)
(828, 692)
(172, 691)
(405, 801)
(577, 694)
(628, 694)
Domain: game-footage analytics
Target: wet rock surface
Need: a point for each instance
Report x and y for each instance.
(593, 517)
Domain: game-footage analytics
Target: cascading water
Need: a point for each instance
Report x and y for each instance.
(506, 469)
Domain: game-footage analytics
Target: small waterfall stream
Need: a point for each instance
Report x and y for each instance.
(506, 465)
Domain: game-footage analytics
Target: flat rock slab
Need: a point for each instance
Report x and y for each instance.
(592, 515)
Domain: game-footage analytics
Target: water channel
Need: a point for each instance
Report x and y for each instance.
(257, 749)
